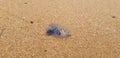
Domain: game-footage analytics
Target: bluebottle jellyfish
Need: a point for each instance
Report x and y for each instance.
(58, 31)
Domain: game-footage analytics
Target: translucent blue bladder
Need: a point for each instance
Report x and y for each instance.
(58, 31)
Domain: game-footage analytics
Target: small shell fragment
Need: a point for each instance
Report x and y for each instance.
(58, 31)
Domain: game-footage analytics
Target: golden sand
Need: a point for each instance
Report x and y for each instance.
(94, 24)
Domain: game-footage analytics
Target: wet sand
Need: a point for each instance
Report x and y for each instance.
(94, 25)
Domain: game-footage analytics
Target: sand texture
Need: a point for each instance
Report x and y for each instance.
(94, 26)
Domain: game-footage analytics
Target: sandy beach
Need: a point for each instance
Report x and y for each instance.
(94, 26)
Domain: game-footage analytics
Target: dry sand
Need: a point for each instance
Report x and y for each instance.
(94, 24)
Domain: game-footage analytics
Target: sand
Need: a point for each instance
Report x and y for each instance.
(94, 25)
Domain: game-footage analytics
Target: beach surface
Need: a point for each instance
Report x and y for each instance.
(94, 26)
